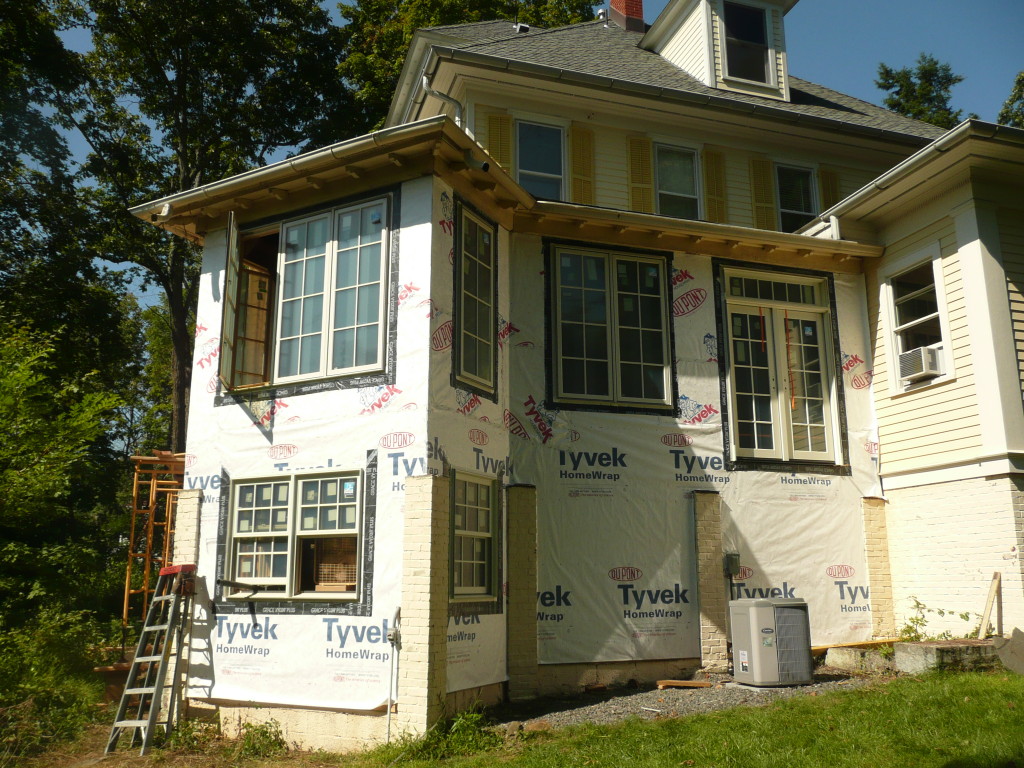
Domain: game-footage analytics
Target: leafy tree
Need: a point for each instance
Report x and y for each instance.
(923, 93)
(1012, 112)
(181, 94)
(378, 33)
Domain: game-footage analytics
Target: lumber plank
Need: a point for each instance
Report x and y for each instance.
(662, 684)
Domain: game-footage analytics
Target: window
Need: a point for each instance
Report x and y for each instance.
(914, 299)
(676, 172)
(746, 43)
(780, 366)
(611, 340)
(540, 159)
(307, 299)
(477, 314)
(474, 528)
(795, 187)
(297, 536)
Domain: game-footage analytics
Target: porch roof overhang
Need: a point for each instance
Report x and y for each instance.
(434, 145)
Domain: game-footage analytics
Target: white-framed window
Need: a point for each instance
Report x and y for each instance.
(540, 159)
(748, 49)
(781, 367)
(474, 540)
(611, 331)
(795, 191)
(307, 298)
(297, 536)
(676, 181)
(914, 301)
(477, 316)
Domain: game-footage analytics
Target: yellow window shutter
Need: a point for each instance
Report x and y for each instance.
(828, 183)
(581, 144)
(641, 175)
(499, 139)
(715, 201)
(762, 192)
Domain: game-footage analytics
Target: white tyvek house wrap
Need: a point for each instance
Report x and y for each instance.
(311, 652)
(615, 560)
(467, 428)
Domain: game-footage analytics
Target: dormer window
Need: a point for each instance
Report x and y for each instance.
(746, 43)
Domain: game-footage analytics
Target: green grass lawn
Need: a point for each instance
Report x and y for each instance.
(951, 720)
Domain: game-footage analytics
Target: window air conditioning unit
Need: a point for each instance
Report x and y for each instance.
(771, 642)
(921, 363)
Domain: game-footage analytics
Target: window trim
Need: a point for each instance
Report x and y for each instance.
(563, 132)
(815, 198)
(930, 253)
(460, 376)
(294, 536)
(838, 462)
(698, 195)
(771, 74)
(669, 405)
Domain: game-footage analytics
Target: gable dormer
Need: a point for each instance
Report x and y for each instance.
(733, 45)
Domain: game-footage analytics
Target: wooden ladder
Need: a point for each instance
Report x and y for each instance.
(158, 653)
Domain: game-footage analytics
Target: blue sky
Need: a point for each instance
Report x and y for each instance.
(839, 44)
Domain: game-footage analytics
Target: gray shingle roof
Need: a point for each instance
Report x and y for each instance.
(599, 50)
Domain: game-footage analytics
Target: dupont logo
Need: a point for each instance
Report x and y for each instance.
(428, 305)
(478, 437)
(862, 380)
(211, 385)
(840, 571)
(573, 436)
(283, 451)
(397, 440)
(676, 440)
(441, 339)
(689, 302)
(745, 573)
(625, 573)
(526, 344)
(190, 460)
(515, 426)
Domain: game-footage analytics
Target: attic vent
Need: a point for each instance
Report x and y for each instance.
(521, 28)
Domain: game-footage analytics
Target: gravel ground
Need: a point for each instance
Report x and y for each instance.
(613, 705)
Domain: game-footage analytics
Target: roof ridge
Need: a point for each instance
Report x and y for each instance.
(539, 32)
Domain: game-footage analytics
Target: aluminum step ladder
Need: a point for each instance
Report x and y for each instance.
(159, 651)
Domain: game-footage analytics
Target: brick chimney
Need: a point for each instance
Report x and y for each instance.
(628, 14)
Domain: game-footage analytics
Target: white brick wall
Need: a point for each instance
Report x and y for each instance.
(946, 540)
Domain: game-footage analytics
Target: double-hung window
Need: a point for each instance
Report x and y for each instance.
(298, 536)
(540, 159)
(474, 537)
(477, 316)
(676, 179)
(780, 366)
(796, 196)
(915, 301)
(747, 49)
(611, 331)
(308, 298)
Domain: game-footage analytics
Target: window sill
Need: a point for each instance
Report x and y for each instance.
(900, 390)
(469, 605)
(788, 467)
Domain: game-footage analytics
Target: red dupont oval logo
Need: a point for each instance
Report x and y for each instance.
(625, 573)
(676, 439)
(840, 571)
(689, 301)
(441, 339)
(862, 380)
(478, 437)
(574, 436)
(745, 573)
(283, 451)
(397, 440)
(190, 460)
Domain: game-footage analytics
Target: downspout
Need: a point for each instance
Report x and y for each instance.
(446, 99)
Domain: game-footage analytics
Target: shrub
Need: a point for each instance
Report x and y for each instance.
(261, 740)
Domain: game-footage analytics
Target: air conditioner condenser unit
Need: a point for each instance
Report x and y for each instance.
(771, 642)
(921, 363)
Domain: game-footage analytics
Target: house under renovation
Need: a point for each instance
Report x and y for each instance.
(597, 308)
